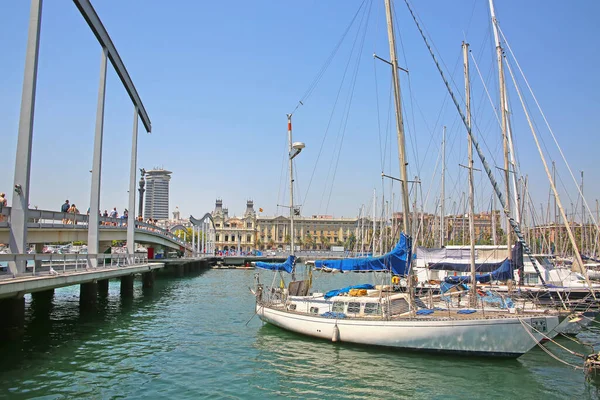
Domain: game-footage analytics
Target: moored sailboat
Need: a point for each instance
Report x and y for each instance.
(376, 315)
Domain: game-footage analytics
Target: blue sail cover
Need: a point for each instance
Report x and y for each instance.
(504, 273)
(394, 261)
(286, 266)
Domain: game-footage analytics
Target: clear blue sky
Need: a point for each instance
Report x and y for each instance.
(217, 79)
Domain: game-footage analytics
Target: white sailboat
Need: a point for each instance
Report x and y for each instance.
(378, 316)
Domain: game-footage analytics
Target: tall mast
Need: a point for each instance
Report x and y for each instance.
(443, 195)
(374, 221)
(465, 48)
(555, 219)
(582, 217)
(503, 111)
(399, 120)
(494, 240)
(291, 166)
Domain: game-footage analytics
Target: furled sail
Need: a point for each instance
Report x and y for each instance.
(286, 266)
(394, 261)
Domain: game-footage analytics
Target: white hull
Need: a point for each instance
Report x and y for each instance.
(502, 336)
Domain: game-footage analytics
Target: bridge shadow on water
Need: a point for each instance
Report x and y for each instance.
(55, 323)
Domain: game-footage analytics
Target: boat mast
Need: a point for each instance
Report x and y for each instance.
(582, 217)
(399, 120)
(291, 166)
(494, 241)
(465, 49)
(443, 195)
(557, 234)
(503, 112)
(374, 221)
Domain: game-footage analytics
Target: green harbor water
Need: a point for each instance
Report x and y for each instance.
(190, 338)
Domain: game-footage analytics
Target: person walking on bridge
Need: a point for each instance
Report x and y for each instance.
(65, 209)
(3, 203)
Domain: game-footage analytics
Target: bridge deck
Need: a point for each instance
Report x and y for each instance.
(28, 284)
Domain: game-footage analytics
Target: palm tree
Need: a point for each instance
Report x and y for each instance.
(309, 241)
(325, 242)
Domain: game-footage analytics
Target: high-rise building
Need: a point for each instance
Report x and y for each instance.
(156, 205)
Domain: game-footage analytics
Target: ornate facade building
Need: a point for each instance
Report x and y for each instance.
(234, 233)
(318, 232)
(251, 232)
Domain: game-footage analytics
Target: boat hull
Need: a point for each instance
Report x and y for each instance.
(500, 337)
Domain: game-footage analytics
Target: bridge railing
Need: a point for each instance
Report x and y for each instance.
(56, 264)
(57, 219)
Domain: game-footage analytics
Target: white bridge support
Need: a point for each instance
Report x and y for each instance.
(205, 227)
(20, 215)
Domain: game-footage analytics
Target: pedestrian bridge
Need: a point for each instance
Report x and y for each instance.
(51, 227)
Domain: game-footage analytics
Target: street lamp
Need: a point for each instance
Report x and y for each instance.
(296, 149)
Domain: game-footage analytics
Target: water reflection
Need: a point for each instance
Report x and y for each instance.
(314, 368)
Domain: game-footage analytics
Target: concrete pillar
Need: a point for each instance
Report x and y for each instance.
(103, 287)
(148, 279)
(204, 265)
(39, 249)
(12, 315)
(88, 293)
(127, 286)
(43, 296)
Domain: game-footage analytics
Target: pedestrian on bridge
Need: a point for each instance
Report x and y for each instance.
(65, 209)
(3, 203)
(73, 210)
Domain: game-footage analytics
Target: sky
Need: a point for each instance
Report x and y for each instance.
(218, 78)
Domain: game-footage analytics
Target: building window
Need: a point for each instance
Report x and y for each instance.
(217, 237)
(248, 238)
(226, 238)
(217, 225)
(249, 225)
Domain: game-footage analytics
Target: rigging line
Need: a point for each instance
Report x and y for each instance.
(549, 127)
(573, 353)
(325, 66)
(484, 162)
(333, 112)
(424, 32)
(571, 236)
(485, 88)
(471, 18)
(348, 105)
(412, 131)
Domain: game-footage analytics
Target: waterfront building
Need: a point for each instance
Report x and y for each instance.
(317, 232)
(252, 232)
(156, 205)
(234, 233)
(456, 228)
